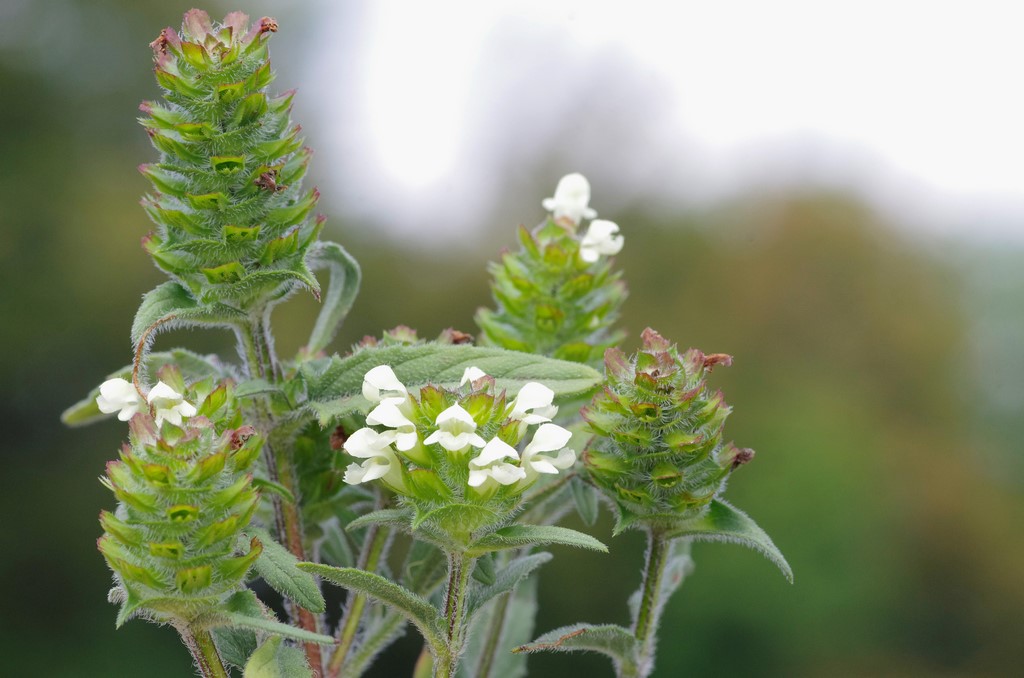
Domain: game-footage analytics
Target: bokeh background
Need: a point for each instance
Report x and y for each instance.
(831, 192)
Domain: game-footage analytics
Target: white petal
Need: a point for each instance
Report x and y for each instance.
(187, 409)
(533, 395)
(381, 378)
(366, 443)
(506, 474)
(472, 374)
(354, 474)
(601, 238)
(565, 459)
(388, 414)
(542, 465)
(375, 468)
(477, 478)
(454, 414)
(494, 450)
(406, 441)
(162, 392)
(571, 199)
(548, 438)
(118, 395)
(589, 253)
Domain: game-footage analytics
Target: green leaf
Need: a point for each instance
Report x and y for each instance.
(252, 387)
(335, 384)
(194, 367)
(416, 609)
(506, 580)
(424, 568)
(400, 518)
(274, 659)
(723, 522)
(610, 640)
(515, 536)
(235, 645)
(277, 488)
(515, 613)
(341, 291)
(171, 305)
(243, 610)
(586, 499)
(279, 568)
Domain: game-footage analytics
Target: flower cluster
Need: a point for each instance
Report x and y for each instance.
(457, 445)
(558, 295)
(185, 494)
(658, 453)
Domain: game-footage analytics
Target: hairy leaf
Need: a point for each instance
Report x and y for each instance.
(723, 522)
(335, 384)
(389, 517)
(280, 570)
(274, 659)
(611, 640)
(413, 607)
(586, 499)
(341, 292)
(241, 611)
(515, 536)
(169, 304)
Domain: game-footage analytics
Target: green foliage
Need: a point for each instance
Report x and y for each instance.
(279, 568)
(341, 292)
(550, 301)
(611, 640)
(274, 659)
(515, 536)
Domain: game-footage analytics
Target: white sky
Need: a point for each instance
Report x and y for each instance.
(917, 105)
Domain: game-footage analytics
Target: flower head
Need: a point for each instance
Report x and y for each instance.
(381, 461)
(548, 438)
(489, 465)
(571, 199)
(456, 430)
(118, 395)
(532, 405)
(381, 384)
(602, 238)
(169, 405)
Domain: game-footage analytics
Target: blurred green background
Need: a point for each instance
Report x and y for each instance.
(878, 375)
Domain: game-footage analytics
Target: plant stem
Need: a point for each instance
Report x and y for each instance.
(256, 348)
(204, 652)
(460, 567)
(648, 615)
(374, 545)
(494, 632)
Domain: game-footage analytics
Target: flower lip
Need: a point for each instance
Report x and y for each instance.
(456, 430)
(549, 438)
(571, 199)
(471, 375)
(375, 448)
(388, 414)
(488, 465)
(602, 238)
(533, 404)
(118, 395)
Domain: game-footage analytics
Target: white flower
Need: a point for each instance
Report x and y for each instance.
(572, 196)
(536, 397)
(118, 395)
(472, 374)
(390, 414)
(548, 438)
(381, 384)
(169, 405)
(489, 465)
(455, 430)
(375, 448)
(602, 238)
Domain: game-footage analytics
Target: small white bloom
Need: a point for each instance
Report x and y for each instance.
(456, 430)
(532, 405)
(375, 448)
(549, 438)
(381, 384)
(118, 395)
(472, 374)
(572, 197)
(602, 238)
(169, 405)
(390, 414)
(489, 465)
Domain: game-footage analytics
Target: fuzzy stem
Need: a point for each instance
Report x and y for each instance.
(204, 652)
(374, 545)
(460, 567)
(256, 348)
(645, 629)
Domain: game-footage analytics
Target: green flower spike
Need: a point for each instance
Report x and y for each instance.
(185, 495)
(558, 295)
(658, 453)
(233, 222)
